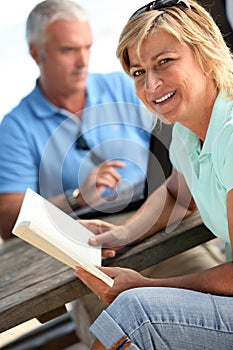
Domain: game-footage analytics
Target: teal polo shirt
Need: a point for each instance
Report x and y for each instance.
(208, 171)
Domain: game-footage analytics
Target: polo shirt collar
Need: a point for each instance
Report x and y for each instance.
(94, 96)
(41, 106)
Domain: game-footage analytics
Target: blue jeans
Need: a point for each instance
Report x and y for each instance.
(166, 319)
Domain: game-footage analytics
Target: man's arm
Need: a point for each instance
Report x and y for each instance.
(102, 176)
(10, 204)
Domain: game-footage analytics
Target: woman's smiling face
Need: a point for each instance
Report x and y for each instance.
(167, 78)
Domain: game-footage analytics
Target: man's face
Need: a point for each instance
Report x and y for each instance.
(64, 65)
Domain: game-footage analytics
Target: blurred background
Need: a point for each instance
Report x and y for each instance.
(17, 69)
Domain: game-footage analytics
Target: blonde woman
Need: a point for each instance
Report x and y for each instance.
(183, 71)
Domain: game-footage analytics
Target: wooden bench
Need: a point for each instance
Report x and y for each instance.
(58, 334)
(34, 284)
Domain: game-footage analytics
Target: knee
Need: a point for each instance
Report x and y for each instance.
(128, 297)
(128, 303)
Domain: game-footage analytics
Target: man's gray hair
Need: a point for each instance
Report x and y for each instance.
(47, 12)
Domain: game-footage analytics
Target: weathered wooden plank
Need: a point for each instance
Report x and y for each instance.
(33, 283)
(23, 309)
(57, 334)
(163, 245)
(25, 266)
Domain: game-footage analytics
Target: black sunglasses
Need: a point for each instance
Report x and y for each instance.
(159, 4)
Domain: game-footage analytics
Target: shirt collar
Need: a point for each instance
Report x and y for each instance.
(94, 97)
(40, 105)
(43, 108)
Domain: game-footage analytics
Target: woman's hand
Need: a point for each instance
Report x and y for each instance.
(117, 238)
(107, 235)
(123, 279)
(98, 227)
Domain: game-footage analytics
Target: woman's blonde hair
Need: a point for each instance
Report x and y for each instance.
(193, 27)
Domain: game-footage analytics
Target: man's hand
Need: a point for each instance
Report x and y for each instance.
(101, 177)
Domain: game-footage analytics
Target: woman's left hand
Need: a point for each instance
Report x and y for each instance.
(97, 227)
(123, 279)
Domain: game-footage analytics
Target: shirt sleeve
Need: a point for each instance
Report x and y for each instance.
(17, 165)
(223, 156)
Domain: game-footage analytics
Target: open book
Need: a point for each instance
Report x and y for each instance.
(48, 228)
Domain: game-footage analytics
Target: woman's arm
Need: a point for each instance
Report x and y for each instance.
(230, 216)
(217, 280)
(167, 205)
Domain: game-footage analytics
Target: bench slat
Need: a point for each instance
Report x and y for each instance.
(33, 283)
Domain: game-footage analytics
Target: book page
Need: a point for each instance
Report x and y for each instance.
(57, 227)
(30, 235)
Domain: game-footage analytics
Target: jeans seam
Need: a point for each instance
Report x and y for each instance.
(179, 324)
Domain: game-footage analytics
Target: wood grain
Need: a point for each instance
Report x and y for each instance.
(33, 284)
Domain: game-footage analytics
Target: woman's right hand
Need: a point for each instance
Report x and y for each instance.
(123, 279)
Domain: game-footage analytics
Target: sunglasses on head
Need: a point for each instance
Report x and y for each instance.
(159, 4)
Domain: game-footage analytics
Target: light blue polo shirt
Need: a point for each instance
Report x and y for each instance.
(38, 141)
(208, 171)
